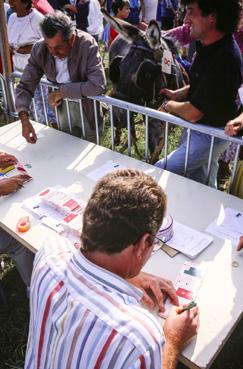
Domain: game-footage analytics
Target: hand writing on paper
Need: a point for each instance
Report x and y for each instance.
(155, 289)
(180, 326)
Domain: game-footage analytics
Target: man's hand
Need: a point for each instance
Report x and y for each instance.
(155, 289)
(176, 95)
(240, 244)
(25, 49)
(180, 326)
(55, 98)
(6, 160)
(233, 127)
(12, 184)
(28, 131)
(170, 94)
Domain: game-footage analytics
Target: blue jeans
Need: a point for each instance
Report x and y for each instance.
(198, 158)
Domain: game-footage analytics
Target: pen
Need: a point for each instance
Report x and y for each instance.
(188, 307)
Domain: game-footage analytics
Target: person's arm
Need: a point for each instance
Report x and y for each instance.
(25, 91)
(184, 110)
(71, 7)
(30, 79)
(155, 289)
(234, 126)
(95, 76)
(13, 184)
(176, 95)
(177, 106)
(142, 11)
(179, 327)
(180, 35)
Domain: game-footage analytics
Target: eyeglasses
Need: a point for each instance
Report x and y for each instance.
(158, 244)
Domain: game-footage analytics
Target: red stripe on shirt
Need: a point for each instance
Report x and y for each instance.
(44, 320)
(105, 348)
(142, 362)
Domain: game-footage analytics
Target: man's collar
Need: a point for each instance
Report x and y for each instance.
(215, 44)
(103, 277)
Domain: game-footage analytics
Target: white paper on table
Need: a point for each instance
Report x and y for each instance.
(52, 222)
(38, 208)
(188, 241)
(104, 169)
(228, 225)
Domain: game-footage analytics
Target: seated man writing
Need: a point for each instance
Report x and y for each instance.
(211, 96)
(22, 257)
(86, 305)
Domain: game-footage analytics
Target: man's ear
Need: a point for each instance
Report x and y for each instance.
(142, 246)
(72, 39)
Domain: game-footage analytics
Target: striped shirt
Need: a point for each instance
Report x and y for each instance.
(85, 317)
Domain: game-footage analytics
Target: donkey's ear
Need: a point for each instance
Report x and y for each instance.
(153, 35)
(127, 30)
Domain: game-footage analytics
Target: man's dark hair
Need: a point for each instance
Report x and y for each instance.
(228, 12)
(124, 206)
(57, 22)
(118, 5)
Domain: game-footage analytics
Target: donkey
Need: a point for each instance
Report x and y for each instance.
(135, 70)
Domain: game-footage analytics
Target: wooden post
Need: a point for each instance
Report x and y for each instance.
(5, 55)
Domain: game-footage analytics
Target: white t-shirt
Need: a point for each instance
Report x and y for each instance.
(150, 7)
(23, 31)
(62, 75)
(95, 18)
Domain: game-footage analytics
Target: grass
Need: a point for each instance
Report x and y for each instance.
(14, 318)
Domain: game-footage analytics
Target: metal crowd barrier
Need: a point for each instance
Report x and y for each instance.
(3, 93)
(110, 103)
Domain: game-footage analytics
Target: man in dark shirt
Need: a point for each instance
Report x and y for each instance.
(215, 77)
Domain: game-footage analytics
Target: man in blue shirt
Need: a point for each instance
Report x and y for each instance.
(215, 77)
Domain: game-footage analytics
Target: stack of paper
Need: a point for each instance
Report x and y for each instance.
(188, 241)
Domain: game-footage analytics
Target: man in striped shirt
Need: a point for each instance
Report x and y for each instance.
(86, 309)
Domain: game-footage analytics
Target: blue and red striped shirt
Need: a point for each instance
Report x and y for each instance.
(85, 317)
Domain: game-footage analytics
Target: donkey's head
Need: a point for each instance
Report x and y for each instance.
(135, 61)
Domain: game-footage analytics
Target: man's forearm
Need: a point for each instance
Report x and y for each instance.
(184, 110)
(181, 93)
(170, 356)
